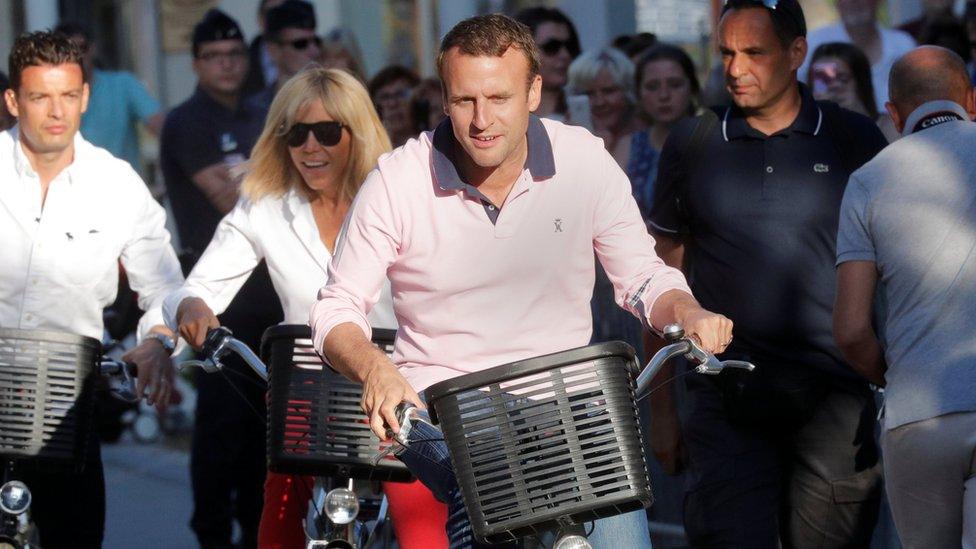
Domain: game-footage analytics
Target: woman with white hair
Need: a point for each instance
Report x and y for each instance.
(320, 140)
(606, 78)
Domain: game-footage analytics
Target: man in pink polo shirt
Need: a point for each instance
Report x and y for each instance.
(487, 228)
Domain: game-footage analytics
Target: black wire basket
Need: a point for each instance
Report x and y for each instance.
(47, 382)
(315, 423)
(545, 442)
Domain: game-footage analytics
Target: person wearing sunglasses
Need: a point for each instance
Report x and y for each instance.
(292, 45)
(203, 138)
(559, 45)
(747, 198)
(320, 140)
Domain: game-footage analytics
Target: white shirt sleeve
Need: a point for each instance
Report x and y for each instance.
(224, 267)
(149, 260)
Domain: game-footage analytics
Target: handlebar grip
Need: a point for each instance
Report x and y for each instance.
(673, 333)
(214, 337)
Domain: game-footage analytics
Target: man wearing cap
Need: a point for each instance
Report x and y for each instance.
(782, 456)
(202, 139)
(70, 213)
(292, 44)
(908, 220)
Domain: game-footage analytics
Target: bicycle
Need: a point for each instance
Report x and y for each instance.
(46, 409)
(316, 428)
(550, 443)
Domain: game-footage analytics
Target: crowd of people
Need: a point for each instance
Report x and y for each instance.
(815, 215)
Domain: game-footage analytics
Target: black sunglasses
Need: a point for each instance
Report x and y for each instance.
(328, 134)
(302, 43)
(554, 45)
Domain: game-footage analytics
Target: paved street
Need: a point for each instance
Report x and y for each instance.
(148, 496)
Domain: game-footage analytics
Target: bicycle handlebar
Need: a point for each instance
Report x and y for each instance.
(706, 363)
(121, 378)
(218, 343)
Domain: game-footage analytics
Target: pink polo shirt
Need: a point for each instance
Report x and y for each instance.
(475, 287)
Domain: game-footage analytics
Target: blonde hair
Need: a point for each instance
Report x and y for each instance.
(585, 68)
(271, 171)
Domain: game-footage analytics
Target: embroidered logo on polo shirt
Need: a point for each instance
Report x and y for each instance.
(558, 222)
(821, 168)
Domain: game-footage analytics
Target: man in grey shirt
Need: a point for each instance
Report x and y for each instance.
(908, 222)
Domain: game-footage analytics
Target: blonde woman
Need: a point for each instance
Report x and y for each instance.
(322, 136)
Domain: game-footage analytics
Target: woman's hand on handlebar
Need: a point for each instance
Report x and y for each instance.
(155, 373)
(193, 319)
(712, 330)
(384, 388)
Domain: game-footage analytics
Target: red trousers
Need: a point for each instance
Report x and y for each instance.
(418, 518)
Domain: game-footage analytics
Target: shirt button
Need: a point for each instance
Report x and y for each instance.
(491, 207)
(769, 169)
(33, 282)
(29, 317)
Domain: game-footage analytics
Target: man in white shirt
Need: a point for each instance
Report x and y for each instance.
(859, 25)
(69, 214)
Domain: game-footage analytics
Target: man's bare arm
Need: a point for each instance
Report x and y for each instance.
(853, 332)
(355, 356)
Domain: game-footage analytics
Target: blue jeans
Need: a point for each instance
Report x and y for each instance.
(428, 459)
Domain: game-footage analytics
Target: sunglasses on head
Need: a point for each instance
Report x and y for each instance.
(771, 4)
(554, 45)
(327, 134)
(303, 43)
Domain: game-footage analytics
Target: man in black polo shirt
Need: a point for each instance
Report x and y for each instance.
(202, 139)
(747, 202)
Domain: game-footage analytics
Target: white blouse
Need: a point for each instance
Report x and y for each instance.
(282, 231)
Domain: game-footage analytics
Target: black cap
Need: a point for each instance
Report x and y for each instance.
(777, 8)
(290, 14)
(215, 25)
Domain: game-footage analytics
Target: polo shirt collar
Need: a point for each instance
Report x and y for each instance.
(808, 121)
(539, 161)
(932, 107)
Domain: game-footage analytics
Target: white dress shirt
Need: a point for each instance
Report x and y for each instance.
(282, 231)
(61, 258)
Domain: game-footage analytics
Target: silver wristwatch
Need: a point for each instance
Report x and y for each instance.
(168, 343)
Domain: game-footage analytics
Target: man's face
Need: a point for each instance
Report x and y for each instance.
(221, 66)
(294, 49)
(393, 104)
(553, 41)
(855, 13)
(758, 69)
(489, 100)
(48, 106)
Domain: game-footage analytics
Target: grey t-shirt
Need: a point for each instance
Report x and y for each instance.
(912, 211)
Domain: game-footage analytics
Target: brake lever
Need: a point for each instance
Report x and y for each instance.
(209, 366)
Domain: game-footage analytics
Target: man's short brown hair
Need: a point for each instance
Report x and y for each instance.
(490, 35)
(40, 48)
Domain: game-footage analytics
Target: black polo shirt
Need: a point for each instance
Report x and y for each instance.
(759, 216)
(199, 133)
